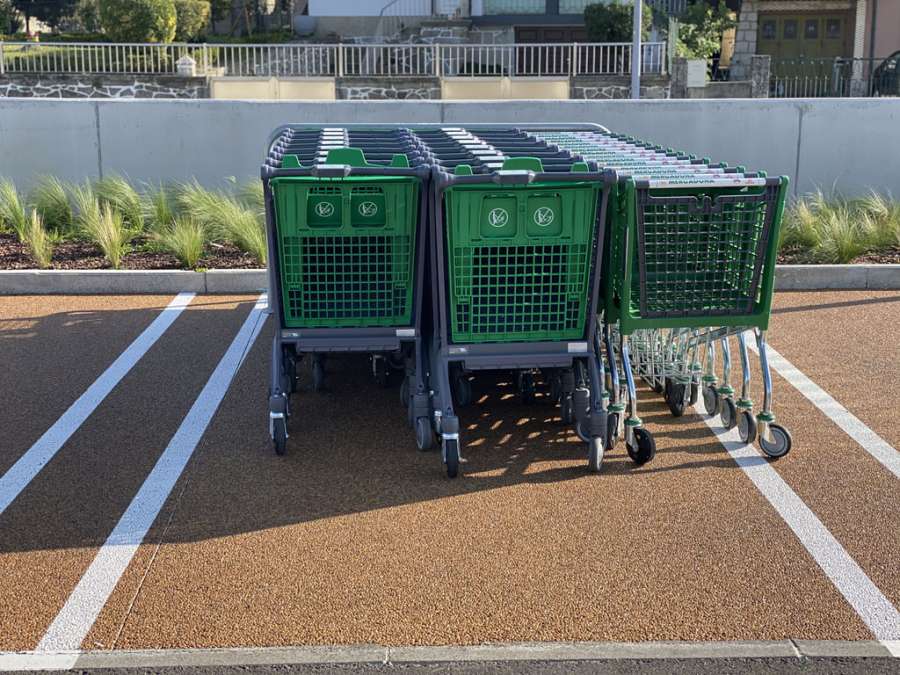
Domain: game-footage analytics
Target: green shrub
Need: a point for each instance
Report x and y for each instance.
(38, 241)
(118, 193)
(87, 14)
(184, 238)
(159, 209)
(193, 17)
(10, 21)
(225, 218)
(51, 200)
(614, 21)
(110, 234)
(838, 230)
(700, 29)
(138, 20)
(12, 211)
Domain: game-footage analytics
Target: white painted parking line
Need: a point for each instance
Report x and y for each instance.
(83, 606)
(868, 440)
(875, 610)
(30, 464)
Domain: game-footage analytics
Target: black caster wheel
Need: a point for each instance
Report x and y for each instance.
(612, 430)
(424, 434)
(780, 444)
(658, 387)
(462, 390)
(279, 435)
(711, 400)
(567, 410)
(595, 454)
(675, 400)
(581, 428)
(451, 457)
(728, 412)
(643, 449)
(404, 392)
(526, 387)
(695, 393)
(318, 376)
(746, 424)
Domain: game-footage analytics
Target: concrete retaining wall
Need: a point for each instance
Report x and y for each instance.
(849, 143)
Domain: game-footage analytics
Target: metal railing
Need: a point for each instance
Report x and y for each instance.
(335, 60)
(833, 77)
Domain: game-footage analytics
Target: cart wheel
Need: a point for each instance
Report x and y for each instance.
(746, 424)
(526, 387)
(581, 428)
(644, 447)
(612, 430)
(567, 410)
(728, 413)
(279, 435)
(462, 390)
(676, 399)
(404, 391)
(781, 442)
(451, 457)
(318, 375)
(695, 393)
(424, 434)
(595, 454)
(658, 387)
(711, 400)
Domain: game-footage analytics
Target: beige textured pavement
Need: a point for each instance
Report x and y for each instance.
(355, 537)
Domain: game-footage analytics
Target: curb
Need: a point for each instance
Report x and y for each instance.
(378, 654)
(130, 282)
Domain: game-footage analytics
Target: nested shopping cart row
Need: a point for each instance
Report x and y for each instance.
(567, 256)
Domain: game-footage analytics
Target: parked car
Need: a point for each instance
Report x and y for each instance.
(886, 78)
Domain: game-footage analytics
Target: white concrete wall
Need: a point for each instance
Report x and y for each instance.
(848, 143)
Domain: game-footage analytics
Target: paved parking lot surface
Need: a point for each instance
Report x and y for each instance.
(354, 537)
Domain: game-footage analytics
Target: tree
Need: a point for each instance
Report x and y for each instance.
(139, 20)
(9, 18)
(700, 29)
(48, 11)
(193, 16)
(613, 22)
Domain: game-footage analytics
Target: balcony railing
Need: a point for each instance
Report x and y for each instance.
(335, 60)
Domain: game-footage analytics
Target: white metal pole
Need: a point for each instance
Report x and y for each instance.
(636, 52)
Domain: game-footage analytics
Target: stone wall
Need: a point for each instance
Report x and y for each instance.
(102, 86)
(362, 88)
(617, 87)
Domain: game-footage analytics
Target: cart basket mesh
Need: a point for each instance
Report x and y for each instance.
(702, 255)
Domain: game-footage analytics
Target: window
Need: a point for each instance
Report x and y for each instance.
(833, 29)
(811, 29)
(768, 30)
(790, 29)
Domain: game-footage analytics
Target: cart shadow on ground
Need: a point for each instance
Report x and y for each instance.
(351, 452)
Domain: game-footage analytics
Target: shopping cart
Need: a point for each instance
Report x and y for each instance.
(346, 209)
(691, 262)
(518, 227)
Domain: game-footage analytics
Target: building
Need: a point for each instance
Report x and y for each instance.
(815, 29)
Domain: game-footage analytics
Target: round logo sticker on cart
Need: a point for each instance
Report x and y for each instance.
(543, 216)
(324, 209)
(498, 217)
(368, 209)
